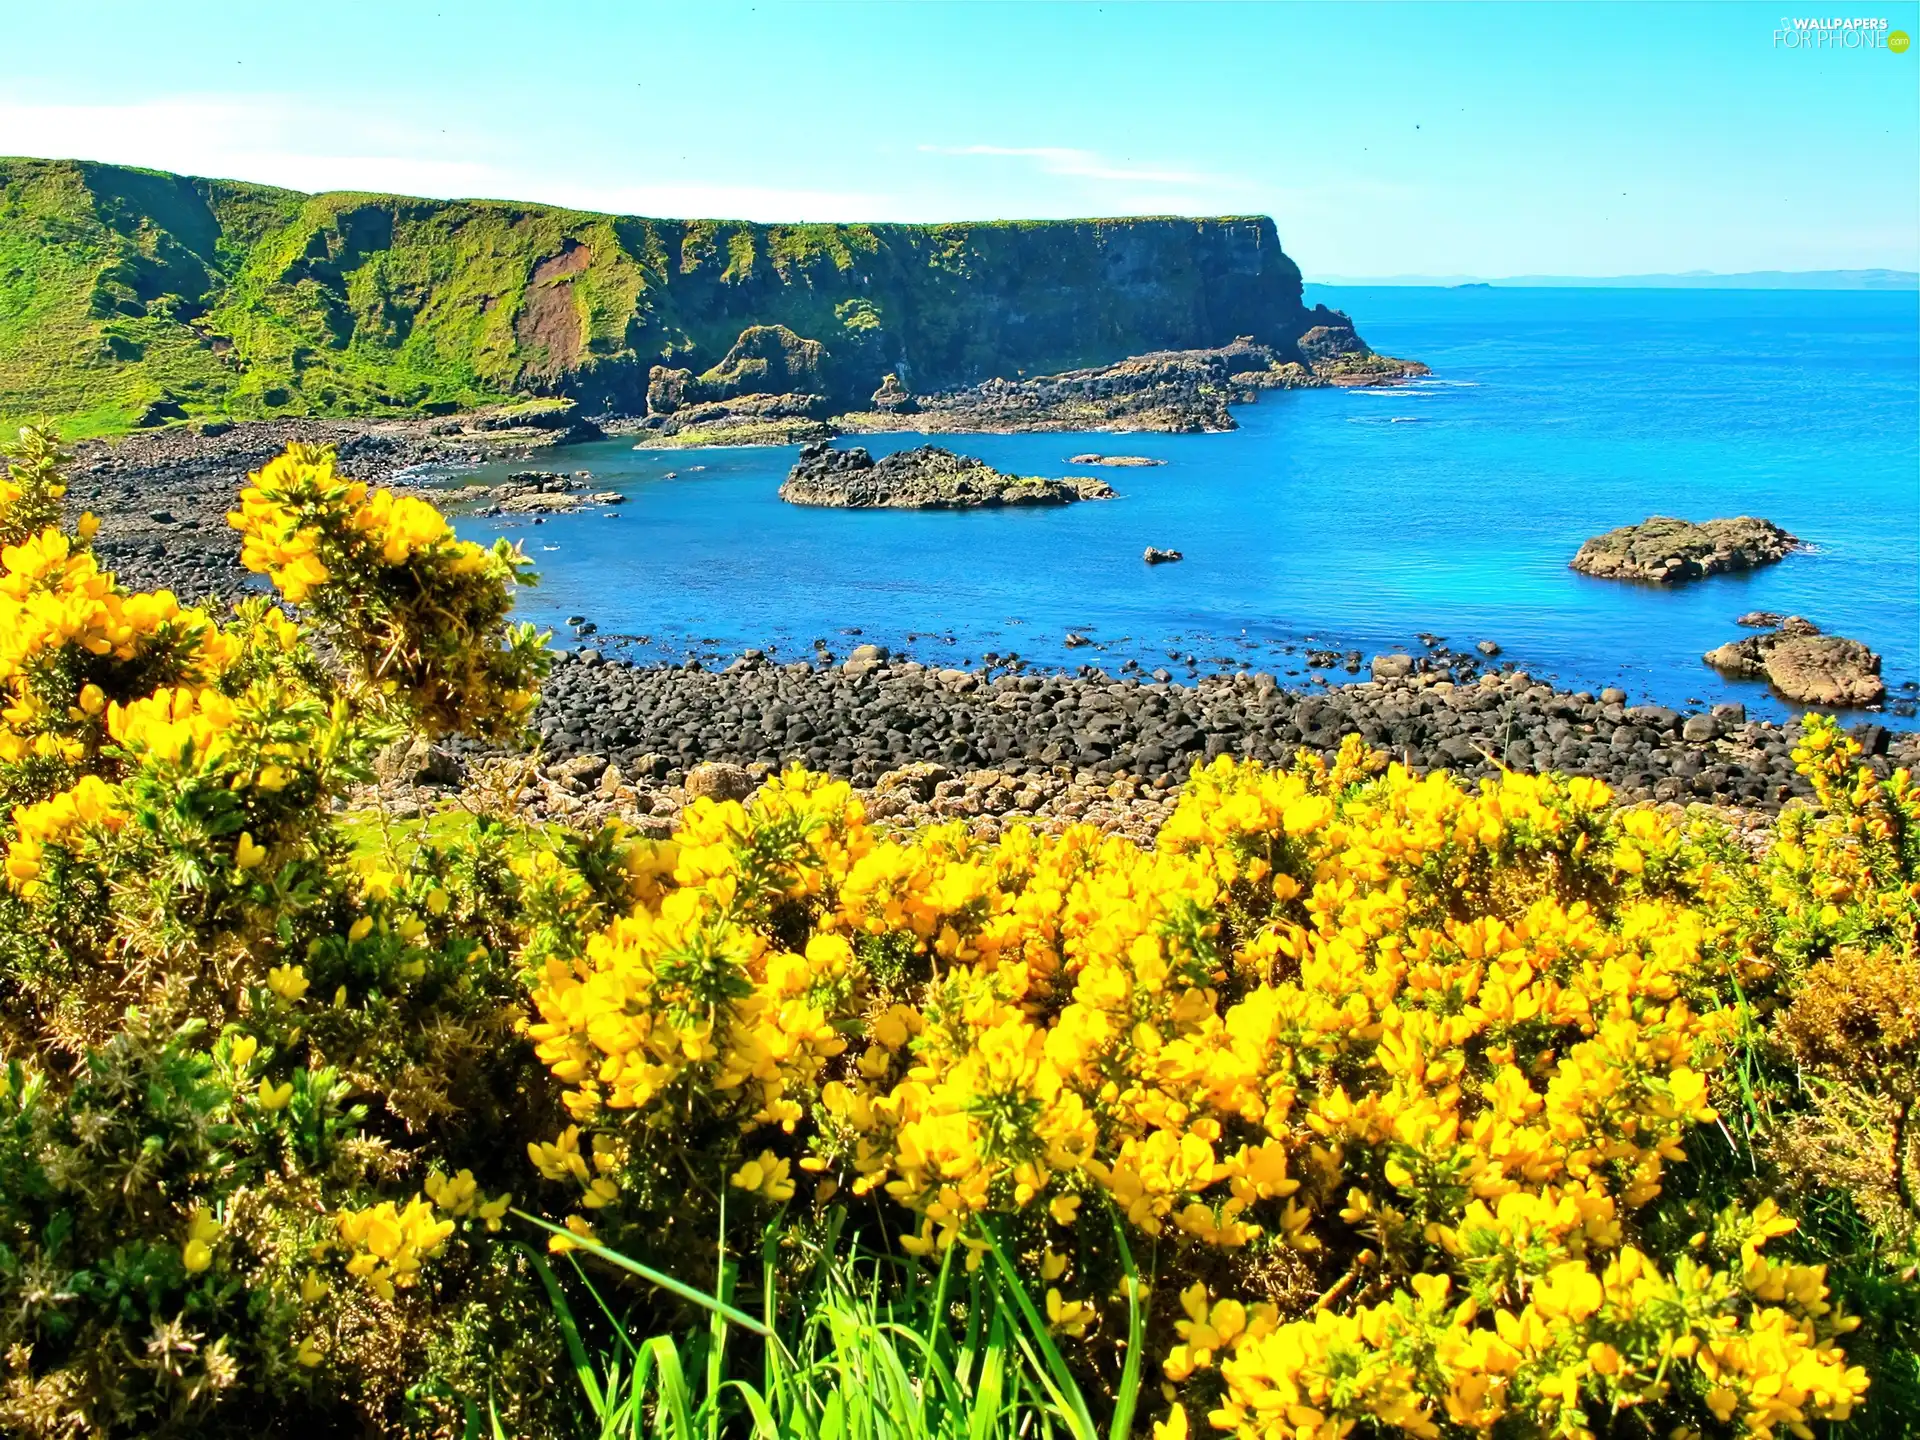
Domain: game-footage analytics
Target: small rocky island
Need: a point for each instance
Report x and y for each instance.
(927, 478)
(1804, 665)
(1666, 551)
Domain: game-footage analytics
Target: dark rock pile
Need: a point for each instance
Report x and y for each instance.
(878, 714)
(926, 478)
(1665, 551)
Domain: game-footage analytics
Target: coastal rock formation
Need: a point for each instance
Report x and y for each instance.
(1172, 391)
(781, 419)
(1168, 391)
(1804, 665)
(928, 478)
(892, 398)
(1161, 557)
(1665, 551)
(1118, 460)
(1338, 356)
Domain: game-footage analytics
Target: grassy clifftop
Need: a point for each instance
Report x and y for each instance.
(133, 297)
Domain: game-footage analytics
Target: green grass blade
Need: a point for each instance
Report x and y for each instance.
(652, 1276)
(1055, 1374)
(983, 1406)
(833, 1425)
(764, 1425)
(1128, 1400)
(770, 1301)
(671, 1387)
(970, 1340)
(717, 1351)
(569, 1332)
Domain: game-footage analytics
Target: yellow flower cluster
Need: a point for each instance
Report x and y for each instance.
(298, 512)
(1373, 1019)
(196, 1252)
(56, 821)
(1619, 1332)
(32, 489)
(389, 1244)
(422, 614)
(59, 612)
(461, 1197)
(691, 990)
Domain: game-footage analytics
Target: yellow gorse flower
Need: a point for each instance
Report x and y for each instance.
(389, 1245)
(196, 1252)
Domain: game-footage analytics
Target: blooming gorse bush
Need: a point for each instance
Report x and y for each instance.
(223, 1179)
(421, 614)
(1428, 1051)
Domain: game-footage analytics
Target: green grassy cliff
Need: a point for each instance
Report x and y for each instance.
(134, 297)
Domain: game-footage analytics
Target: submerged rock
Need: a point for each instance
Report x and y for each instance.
(1665, 551)
(1804, 665)
(927, 478)
(537, 502)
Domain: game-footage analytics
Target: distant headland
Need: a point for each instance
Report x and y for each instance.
(1680, 280)
(141, 299)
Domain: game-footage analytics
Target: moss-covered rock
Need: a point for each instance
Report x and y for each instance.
(927, 478)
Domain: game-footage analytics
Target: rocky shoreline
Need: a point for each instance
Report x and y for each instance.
(162, 496)
(1028, 742)
(638, 745)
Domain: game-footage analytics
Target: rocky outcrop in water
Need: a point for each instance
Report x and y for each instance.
(1179, 392)
(1804, 665)
(784, 419)
(1665, 551)
(928, 478)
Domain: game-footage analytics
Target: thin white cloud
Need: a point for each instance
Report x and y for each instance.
(1089, 165)
(275, 140)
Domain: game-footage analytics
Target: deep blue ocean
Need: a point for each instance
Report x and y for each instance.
(1336, 518)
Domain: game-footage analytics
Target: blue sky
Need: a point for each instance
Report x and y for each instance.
(1488, 139)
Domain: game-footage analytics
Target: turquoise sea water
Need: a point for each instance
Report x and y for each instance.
(1345, 519)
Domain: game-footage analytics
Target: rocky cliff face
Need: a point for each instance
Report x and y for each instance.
(132, 297)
